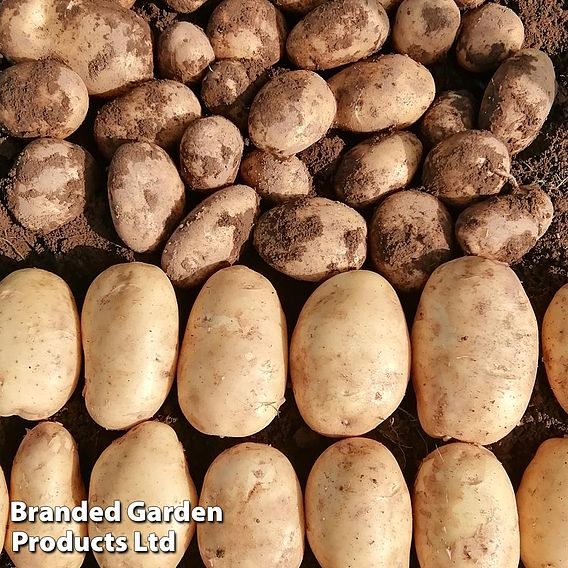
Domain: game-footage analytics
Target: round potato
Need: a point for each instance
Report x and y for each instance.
(392, 92)
(465, 512)
(291, 112)
(263, 525)
(127, 3)
(130, 326)
(4, 508)
(358, 510)
(146, 195)
(410, 235)
(40, 344)
(376, 167)
(298, 6)
(350, 355)
(212, 236)
(518, 99)
(185, 6)
(41, 98)
(46, 473)
(469, 4)
(474, 351)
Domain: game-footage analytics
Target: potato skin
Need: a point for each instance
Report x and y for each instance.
(300, 7)
(127, 3)
(185, 6)
(358, 510)
(465, 511)
(263, 522)
(474, 351)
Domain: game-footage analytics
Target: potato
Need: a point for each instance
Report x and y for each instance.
(466, 167)
(489, 35)
(130, 326)
(338, 32)
(147, 464)
(358, 510)
(312, 239)
(156, 112)
(146, 195)
(376, 167)
(41, 98)
(392, 92)
(263, 523)
(465, 512)
(40, 344)
(474, 351)
(211, 237)
(518, 99)
(108, 46)
(505, 227)
(185, 6)
(426, 29)
(46, 474)
(49, 184)
(469, 4)
(4, 508)
(410, 235)
(127, 3)
(210, 153)
(298, 6)
(291, 112)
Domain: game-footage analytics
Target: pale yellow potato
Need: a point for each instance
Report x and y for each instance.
(350, 355)
(40, 344)
(130, 325)
(147, 464)
(46, 473)
(474, 351)
(4, 508)
(358, 510)
(465, 513)
(263, 522)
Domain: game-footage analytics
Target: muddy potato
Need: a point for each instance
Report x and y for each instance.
(474, 351)
(465, 513)
(185, 6)
(146, 195)
(298, 6)
(263, 523)
(392, 92)
(4, 508)
(358, 510)
(469, 4)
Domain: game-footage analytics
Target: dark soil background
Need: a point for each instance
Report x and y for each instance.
(82, 249)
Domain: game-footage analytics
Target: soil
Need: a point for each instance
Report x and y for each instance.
(85, 247)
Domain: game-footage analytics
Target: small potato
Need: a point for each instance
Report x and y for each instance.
(41, 98)
(210, 153)
(466, 167)
(291, 112)
(358, 510)
(392, 92)
(469, 4)
(130, 325)
(312, 239)
(489, 35)
(4, 508)
(146, 195)
(40, 344)
(465, 512)
(127, 3)
(410, 235)
(376, 167)
(474, 351)
(298, 6)
(505, 227)
(185, 6)
(211, 237)
(46, 474)
(263, 523)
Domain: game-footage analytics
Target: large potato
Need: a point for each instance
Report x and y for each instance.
(4, 508)
(263, 523)
(350, 355)
(474, 351)
(358, 510)
(130, 326)
(465, 513)
(40, 344)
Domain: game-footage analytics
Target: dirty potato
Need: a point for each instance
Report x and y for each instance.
(298, 6)
(185, 6)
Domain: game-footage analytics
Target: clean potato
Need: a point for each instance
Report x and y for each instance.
(130, 325)
(358, 510)
(350, 355)
(474, 351)
(263, 523)
(465, 513)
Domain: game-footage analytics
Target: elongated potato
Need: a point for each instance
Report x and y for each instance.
(130, 326)
(465, 513)
(474, 351)
(40, 344)
(4, 508)
(358, 510)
